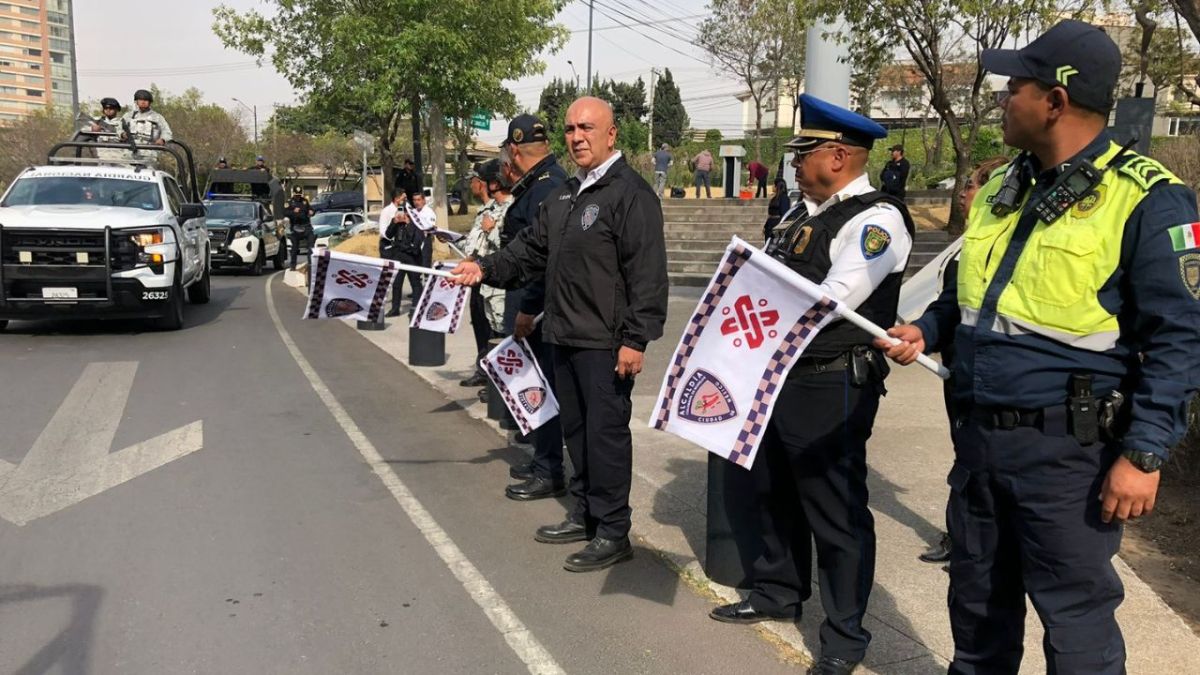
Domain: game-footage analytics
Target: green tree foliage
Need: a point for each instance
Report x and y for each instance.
(210, 130)
(751, 41)
(670, 118)
(366, 61)
(944, 38)
(25, 142)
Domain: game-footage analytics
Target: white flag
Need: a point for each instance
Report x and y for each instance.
(521, 383)
(754, 319)
(345, 285)
(440, 308)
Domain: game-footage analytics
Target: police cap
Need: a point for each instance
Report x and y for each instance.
(525, 129)
(297, 190)
(143, 95)
(821, 121)
(1074, 55)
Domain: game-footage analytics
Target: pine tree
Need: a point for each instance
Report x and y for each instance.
(670, 119)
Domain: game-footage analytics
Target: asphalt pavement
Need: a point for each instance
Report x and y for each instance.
(260, 494)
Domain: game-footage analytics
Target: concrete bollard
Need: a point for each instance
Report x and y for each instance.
(426, 348)
(733, 536)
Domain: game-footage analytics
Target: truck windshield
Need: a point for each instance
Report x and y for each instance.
(84, 191)
(230, 210)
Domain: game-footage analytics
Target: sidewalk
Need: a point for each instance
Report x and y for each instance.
(909, 455)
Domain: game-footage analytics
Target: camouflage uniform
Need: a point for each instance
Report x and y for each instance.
(479, 244)
(109, 124)
(142, 127)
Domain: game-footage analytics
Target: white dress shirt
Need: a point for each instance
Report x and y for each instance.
(385, 217)
(589, 178)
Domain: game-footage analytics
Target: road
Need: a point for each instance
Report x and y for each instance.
(269, 495)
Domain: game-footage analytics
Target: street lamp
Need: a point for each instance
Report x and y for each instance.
(254, 112)
(570, 63)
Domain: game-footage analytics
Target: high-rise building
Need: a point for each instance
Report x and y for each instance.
(37, 57)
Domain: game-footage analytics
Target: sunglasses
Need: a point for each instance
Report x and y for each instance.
(799, 157)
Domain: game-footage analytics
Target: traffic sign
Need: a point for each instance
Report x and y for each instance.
(481, 120)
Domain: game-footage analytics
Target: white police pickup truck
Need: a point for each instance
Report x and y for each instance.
(91, 238)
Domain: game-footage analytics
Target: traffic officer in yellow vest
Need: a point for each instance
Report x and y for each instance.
(1078, 348)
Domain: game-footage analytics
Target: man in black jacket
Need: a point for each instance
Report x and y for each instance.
(300, 216)
(598, 243)
(402, 241)
(528, 150)
(407, 180)
(893, 179)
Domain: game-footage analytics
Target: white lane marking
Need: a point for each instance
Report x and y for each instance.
(70, 460)
(519, 638)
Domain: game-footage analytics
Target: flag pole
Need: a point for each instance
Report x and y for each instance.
(860, 321)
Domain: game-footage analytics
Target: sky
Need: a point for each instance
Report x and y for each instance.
(655, 34)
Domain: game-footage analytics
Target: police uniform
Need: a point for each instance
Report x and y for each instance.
(811, 472)
(301, 225)
(1107, 292)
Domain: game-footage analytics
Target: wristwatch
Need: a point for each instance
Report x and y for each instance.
(1146, 462)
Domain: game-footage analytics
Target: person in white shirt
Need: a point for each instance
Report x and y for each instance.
(426, 220)
(385, 219)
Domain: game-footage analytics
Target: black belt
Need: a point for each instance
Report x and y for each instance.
(1052, 420)
(812, 365)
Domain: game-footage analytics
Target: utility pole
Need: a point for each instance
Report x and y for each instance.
(650, 136)
(591, 6)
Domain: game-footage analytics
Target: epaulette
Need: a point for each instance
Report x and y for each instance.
(1144, 171)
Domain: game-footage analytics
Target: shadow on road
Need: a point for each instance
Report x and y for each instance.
(68, 650)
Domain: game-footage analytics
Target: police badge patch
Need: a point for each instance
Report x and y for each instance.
(436, 312)
(875, 240)
(706, 400)
(590, 214)
(1189, 271)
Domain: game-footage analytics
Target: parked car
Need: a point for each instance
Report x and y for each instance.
(452, 200)
(329, 224)
(342, 200)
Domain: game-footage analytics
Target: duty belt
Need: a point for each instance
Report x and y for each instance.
(812, 365)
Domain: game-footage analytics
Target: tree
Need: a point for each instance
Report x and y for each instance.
(670, 119)
(751, 41)
(1164, 55)
(25, 142)
(371, 61)
(208, 129)
(944, 39)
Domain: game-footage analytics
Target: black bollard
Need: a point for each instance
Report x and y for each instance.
(426, 348)
(371, 325)
(733, 539)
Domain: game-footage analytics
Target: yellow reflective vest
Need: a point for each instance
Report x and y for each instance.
(1054, 288)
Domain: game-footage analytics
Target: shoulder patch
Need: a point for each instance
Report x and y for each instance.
(1146, 172)
(875, 240)
(1189, 272)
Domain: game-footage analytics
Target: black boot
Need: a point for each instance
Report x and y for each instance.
(599, 554)
(938, 553)
(828, 665)
(536, 488)
(744, 612)
(566, 532)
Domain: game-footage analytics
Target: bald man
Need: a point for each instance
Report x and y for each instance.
(598, 244)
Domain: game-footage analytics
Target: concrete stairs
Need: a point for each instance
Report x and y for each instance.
(697, 232)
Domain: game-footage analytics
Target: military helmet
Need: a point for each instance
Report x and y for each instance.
(110, 102)
(297, 190)
(143, 95)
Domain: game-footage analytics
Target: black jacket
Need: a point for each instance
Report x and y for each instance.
(603, 259)
(528, 194)
(402, 239)
(893, 179)
(407, 181)
(297, 213)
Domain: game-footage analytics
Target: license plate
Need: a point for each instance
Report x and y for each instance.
(60, 293)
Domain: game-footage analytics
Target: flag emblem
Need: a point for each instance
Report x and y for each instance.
(706, 400)
(750, 321)
(510, 362)
(352, 278)
(436, 312)
(590, 214)
(341, 307)
(1184, 237)
(532, 399)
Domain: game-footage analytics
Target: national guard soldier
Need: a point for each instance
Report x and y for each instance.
(299, 215)
(146, 125)
(107, 129)
(1077, 350)
(812, 474)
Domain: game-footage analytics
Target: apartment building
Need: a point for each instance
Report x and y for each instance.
(37, 57)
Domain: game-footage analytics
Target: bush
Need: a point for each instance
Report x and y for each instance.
(1182, 156)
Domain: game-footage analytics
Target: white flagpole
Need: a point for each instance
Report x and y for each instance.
(421, 270)
(858, 320)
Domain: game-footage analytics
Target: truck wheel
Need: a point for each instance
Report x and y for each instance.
(3, 324)
(259, 262)
(173, 319)
(280, 260)
(200, 292)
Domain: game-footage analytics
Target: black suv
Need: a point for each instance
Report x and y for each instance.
(345, 200)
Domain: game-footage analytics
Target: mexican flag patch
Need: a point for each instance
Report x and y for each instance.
(1184, 237)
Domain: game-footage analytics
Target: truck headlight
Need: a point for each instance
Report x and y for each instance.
(144, 239)
(153, 246)
(241, 234)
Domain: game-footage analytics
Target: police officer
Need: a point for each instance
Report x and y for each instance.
(401, 240)
(1077, 351)
(300, 216)
(147, 125)
(598, 242)
(811, 471)
(528, 148)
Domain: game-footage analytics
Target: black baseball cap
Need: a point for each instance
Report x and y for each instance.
(525, 129)
(1074, 55)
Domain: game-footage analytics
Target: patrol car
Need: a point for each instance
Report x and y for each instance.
(84, 236)
(246, 226)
